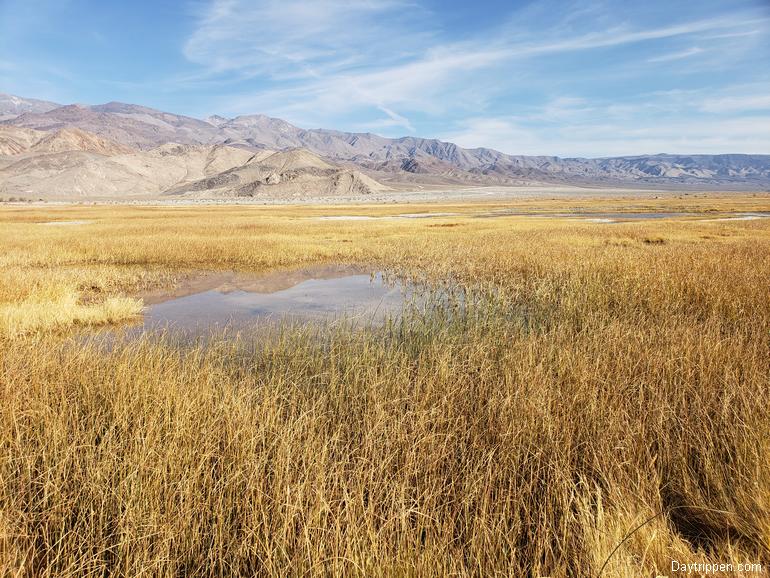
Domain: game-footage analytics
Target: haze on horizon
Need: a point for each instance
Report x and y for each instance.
(555, 78)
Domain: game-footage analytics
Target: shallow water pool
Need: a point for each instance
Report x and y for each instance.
(210, 303)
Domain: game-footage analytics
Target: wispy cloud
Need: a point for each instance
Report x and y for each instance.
(597, 139)
(655, 122)
(738, 102)
(299, 38)
(376, 64)
(679, 55)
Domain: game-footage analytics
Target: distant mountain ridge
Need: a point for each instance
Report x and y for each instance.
(405, 160)
(69, 163)
(12, 106)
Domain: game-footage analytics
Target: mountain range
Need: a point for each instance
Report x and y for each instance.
(114, 149)
(12, 106)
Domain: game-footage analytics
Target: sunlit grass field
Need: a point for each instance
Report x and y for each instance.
(598, 406)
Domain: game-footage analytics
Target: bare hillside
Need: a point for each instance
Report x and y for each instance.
(135, 126)
(73, 173)
(12, 106)
(66, 163)
(292, 173)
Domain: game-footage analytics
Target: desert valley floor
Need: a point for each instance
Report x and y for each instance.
(578, 388)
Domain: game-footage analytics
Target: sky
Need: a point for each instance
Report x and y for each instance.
(581, 78)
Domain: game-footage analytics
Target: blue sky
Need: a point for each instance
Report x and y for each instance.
(563, 78)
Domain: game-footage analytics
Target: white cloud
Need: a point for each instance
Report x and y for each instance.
(737, 103)
(677, 55)
(423, 83)
(295, 38)
(371, 51)
(505, 134)
(396, 119)
(615, 136)
(314, 62)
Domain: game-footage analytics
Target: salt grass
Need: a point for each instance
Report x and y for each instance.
(741, 217)
(385, 217)
(597, 405)
(65, 223)
(348, 218)
(54, 313)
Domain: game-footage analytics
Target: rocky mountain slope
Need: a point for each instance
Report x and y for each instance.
(15, 141)
(132, 125)
(431, 157)
(289, 173)
(72, 163)
(84, 173)
(395, 161)
(12, 106)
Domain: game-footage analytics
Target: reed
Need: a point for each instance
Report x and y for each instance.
(597, 404)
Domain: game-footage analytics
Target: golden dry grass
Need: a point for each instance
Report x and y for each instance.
(61, 310)
(601, 377)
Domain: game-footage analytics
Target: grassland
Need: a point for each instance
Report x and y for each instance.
(601, 407)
